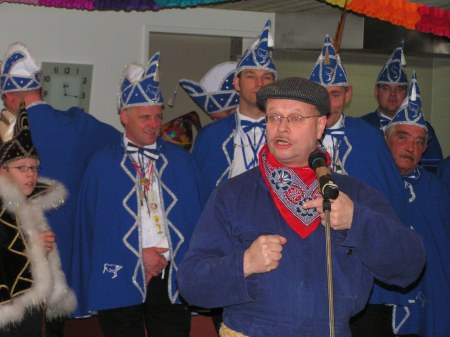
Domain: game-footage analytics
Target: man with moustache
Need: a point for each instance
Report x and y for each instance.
(139, 202)
(259, 251)
(230, 146)
(422, 309)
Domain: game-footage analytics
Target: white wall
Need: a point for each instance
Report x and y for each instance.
(110, 40)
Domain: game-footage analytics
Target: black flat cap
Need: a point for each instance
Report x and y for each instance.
(298, 89)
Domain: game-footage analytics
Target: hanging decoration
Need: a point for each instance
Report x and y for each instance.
(116, 5)
(403, 13)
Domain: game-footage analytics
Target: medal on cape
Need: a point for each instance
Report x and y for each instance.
(153, 210)
(145, 182)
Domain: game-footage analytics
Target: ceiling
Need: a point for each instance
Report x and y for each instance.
(280, 6)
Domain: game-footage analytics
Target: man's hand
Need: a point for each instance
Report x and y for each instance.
(341, 213)
(48, 239)
(263, 255)
(154, 261)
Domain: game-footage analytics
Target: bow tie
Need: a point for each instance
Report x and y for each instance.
(414, 175)
(144, 151)
(247, 125)
(384, 121)
(335, 132)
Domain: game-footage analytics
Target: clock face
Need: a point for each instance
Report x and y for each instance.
(66, 85)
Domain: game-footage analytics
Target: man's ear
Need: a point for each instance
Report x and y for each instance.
(321, 124)
(123, 114)
(427, 139)
(8, 99)
(348, 94)
(236, 83)
(375, 91)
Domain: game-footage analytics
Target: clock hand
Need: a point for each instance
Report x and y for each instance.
(65, 86)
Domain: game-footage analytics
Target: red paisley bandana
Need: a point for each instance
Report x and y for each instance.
(290, 188)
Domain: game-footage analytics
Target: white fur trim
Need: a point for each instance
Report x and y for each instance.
(49, 282)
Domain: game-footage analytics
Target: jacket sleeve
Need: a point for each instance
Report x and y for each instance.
(211, 274)
(393, 252)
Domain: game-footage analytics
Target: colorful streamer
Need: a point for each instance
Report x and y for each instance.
(116, 5)
(403, 13)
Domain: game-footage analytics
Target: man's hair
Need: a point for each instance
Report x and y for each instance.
(388, 131)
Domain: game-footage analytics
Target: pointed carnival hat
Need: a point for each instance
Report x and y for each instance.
(258, 56)
(140, 85)
(393, 71)
(179, 130)
(19, 70)
(410, 112)
(328, 70)
(15, 134)
(215, 91)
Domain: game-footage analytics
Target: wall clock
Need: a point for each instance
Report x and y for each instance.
(65, 85)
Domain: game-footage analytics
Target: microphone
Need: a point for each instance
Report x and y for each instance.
(318, 162)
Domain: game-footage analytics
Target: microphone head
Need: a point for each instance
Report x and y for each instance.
(317, 159)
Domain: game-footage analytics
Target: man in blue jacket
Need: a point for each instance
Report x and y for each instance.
(139, 202)
(259, 249)
(355, 148)
(230, 146)
(422, 309)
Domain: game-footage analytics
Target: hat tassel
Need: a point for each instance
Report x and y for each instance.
(174, 97)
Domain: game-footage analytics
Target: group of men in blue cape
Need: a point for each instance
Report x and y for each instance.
(124, 186)
(347, 140)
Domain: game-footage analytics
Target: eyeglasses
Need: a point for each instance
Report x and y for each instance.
(25, 168)
(294, 119)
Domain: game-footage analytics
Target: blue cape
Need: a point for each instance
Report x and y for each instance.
(108, 245)
(428, 298)
(214, 152)
(65, 140)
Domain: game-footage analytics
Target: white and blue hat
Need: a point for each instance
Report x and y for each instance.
(140, 86)
(215, 91)
(410, 112)
(19, 70)
(393, 71)
(328, 70)
(258, 56)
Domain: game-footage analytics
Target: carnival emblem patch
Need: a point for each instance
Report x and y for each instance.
(112, 269)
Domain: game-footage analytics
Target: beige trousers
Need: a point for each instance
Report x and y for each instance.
(227, 332)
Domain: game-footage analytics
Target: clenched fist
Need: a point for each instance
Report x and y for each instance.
(264, 254)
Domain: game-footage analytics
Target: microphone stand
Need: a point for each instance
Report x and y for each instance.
(318, 162)
(327, 209)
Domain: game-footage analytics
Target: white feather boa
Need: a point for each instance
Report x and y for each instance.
(49, 282)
